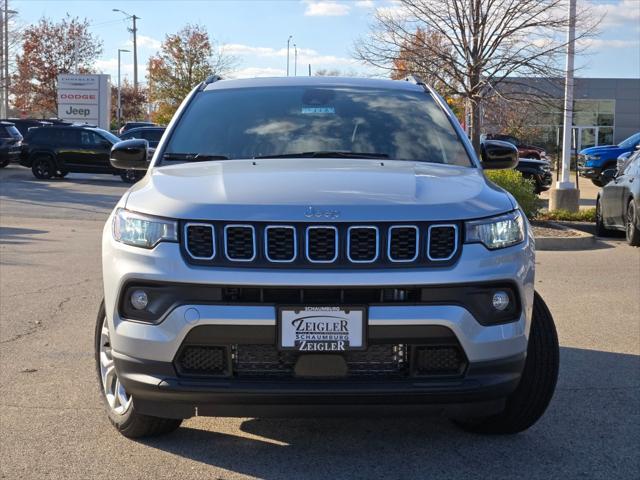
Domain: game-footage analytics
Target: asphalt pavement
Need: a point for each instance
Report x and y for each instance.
(52, 424)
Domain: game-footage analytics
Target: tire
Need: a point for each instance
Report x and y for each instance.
(43, 167)
(528, 402)
(4, 163)
(598, 182)
(632, 225)
(130, 176)
(121, 408)
(61, 174)
(601, 230)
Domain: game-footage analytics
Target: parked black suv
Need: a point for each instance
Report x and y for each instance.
(150, 134)
(24, 124)
(56, 150)
(537, 170)
(10, 143)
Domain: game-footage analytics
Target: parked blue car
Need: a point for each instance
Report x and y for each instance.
(595, 160)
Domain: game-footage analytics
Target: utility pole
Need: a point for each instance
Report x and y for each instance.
(134, 31)
(295, 60)
(6, 58)
(288, 42)
(566, 196)
(119, 112)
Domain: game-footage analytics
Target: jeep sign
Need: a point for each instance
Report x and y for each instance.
(84, 99)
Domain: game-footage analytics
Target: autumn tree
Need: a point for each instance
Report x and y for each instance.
(185, 59)
(133, 101)
(480, 43)
(49, 49)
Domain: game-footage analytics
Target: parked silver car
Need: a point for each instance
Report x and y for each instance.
(305, 245)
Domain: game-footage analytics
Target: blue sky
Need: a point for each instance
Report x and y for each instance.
(256, 31)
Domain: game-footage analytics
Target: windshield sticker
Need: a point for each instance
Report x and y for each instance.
(321, 110)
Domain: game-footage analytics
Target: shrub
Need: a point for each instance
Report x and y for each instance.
(586, 215)
(521, 188)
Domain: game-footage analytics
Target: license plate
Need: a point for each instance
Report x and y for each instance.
(321, 329)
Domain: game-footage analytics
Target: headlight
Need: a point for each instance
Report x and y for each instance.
(497, 232)
(143, 230)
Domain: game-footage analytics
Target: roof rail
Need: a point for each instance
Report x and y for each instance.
(416, 80)
(209, 80)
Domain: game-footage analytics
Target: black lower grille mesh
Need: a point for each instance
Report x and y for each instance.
(203, 360)
(266, 360)
(442, 242)
(438, 360)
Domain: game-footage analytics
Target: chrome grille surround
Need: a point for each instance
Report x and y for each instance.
(266, 243)
(363, 227)
(389, 242)
(306, 242)
(253, 243)
(455, 241)
(213, 240)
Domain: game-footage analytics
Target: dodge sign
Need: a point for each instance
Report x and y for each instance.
(84, 99)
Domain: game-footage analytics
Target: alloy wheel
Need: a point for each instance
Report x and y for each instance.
(630, 221)
(117, 397)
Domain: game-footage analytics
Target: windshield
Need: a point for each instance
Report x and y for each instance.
(316, 122)
(630, 142)
(109, 136)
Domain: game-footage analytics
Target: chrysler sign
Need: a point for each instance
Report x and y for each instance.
(84, 99)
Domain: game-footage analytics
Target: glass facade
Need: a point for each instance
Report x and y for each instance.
(593, 120)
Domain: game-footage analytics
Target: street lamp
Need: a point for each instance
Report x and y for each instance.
(295, 60)
(4, 34)
(133, 30)
(119, 113)
(288, 42)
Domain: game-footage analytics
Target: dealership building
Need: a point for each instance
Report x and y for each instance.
(606, 110)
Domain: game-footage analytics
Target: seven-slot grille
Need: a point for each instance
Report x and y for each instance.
(315, 244)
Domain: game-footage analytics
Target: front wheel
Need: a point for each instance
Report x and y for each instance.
(119, 404)
(4, 163)
(527, 403)
(597, 182)
(43, 168)
(131, 176)
(601, 230)
(632, 225)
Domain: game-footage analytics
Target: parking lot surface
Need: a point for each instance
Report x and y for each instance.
(52, 424)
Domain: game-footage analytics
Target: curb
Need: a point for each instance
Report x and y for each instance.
(579, 240)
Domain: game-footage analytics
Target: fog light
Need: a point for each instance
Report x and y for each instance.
(500, 300)
(140, 300)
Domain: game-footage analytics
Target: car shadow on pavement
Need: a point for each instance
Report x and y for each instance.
(17, 236)
(590, 430)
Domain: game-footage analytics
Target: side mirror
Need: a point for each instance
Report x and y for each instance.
(496, 154)
(130, 154)
(609, 174)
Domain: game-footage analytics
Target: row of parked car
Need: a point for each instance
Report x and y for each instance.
(54, 148)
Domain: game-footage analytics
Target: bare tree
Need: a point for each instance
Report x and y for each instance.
(480, 43)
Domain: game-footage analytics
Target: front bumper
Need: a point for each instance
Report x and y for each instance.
(145, 353)
(589, 172)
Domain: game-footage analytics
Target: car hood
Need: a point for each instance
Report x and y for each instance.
(608, 149)
(313, 189)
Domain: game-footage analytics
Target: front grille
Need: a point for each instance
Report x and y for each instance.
(200, 240)
(202, 360)
(320, 246)
(280, 243)
(362, 244)
(385, 360)
(403, 243)
(240, 242)
(442, 242)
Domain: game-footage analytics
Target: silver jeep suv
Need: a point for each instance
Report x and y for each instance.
(306, 245)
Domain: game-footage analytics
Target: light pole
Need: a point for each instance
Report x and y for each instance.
(133, 30)
(288, 43)
(5, 59)
(119, 113)
(566, 196)
(295, 60)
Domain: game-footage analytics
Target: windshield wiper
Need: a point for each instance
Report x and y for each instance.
(328, 154)
(193, 157)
